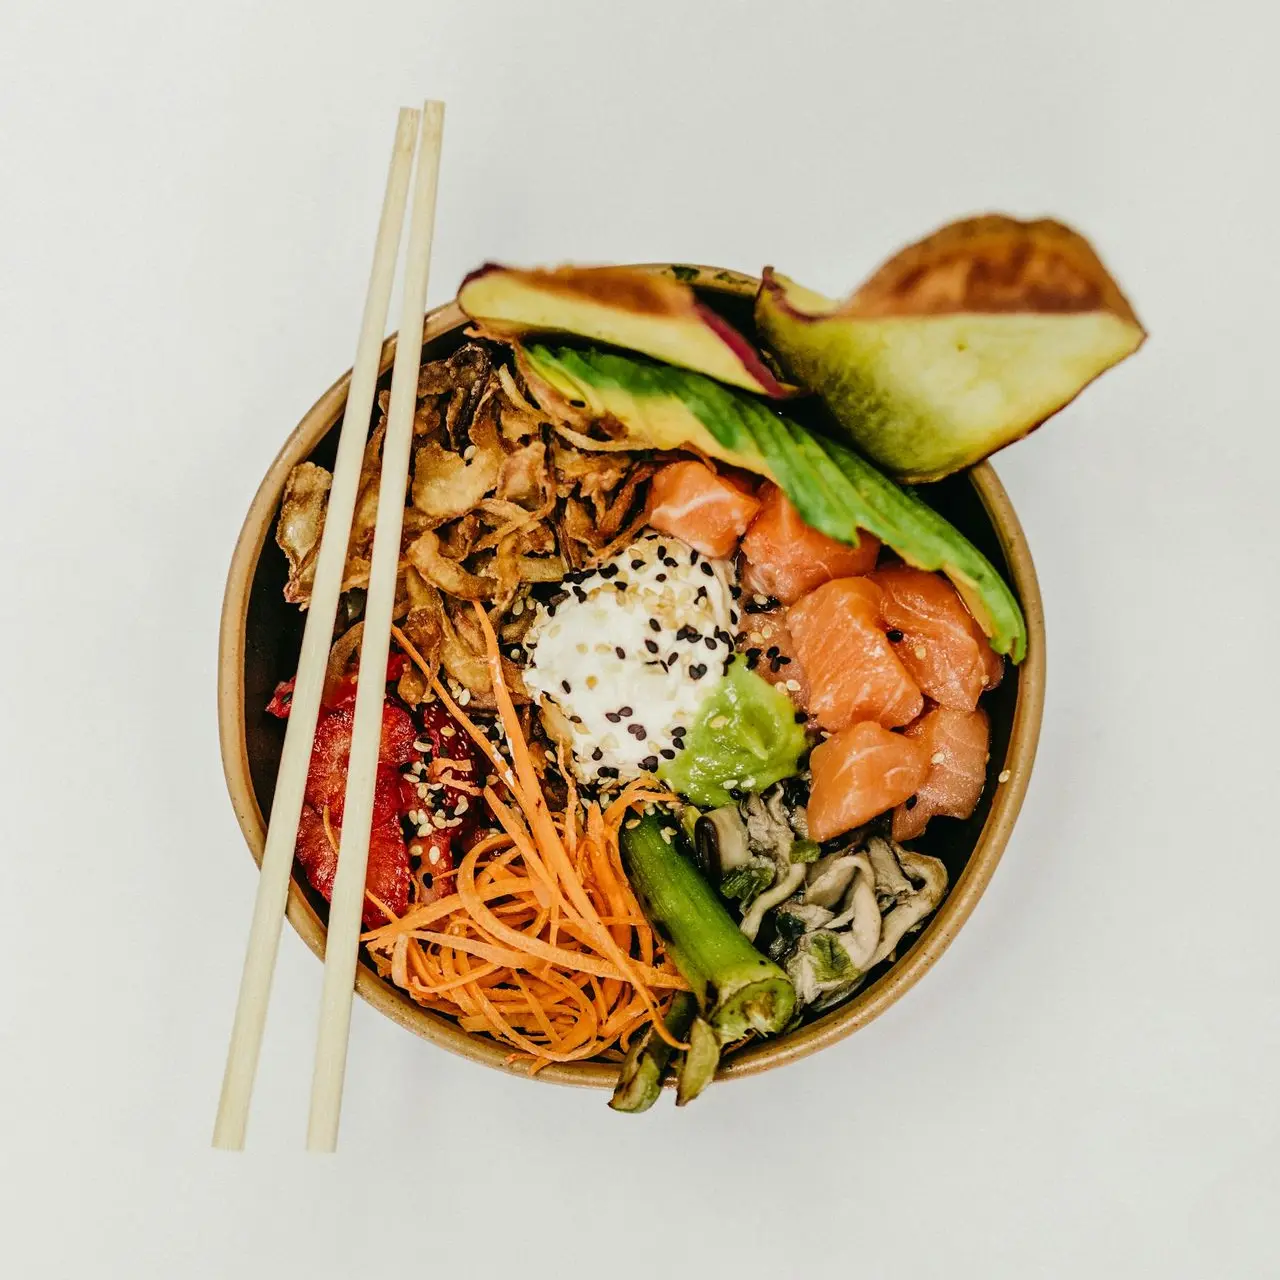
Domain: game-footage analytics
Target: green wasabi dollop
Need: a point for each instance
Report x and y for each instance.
(745, 738)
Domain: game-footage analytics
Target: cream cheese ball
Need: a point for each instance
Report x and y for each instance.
(628, 652)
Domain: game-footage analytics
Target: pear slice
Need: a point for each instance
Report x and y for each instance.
(957, 346)
(621, 306)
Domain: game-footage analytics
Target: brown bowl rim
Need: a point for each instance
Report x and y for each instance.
(764, 1055)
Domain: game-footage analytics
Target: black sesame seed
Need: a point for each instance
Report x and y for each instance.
(654, 625)
(912, 801)
(781, 660)
(564, 684)
(638, 732)
(801, 717)
(708, 570)
(651, 645)
(607, 771)
(659, 577)
(578, 591)
(709, 641)
(700, 594)
(620, 651)
(619, 585)
(894, 636)
(662, 552)
(678, 731)
(649, 763)
(753, 656)
(597, 754)
(613, 717)
(667, 753)
(693, 555)
(671, 562)
(624, 711)
(637, 564)
(609, 571)
(697, 671)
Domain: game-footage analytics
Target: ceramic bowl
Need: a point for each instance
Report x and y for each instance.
(261, 637)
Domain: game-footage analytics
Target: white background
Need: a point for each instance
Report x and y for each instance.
(1086, 1084)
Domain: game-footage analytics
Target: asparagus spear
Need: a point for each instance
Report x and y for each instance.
(640, 1081)
(699, 1063)
(736, 988)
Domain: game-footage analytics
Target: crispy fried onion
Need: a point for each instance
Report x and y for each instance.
(306, 496)
(448, 484)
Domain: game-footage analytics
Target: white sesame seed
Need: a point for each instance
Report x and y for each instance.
(419, 745)
(434, 856)
(425, 829)
(461, 806)
(730, 784)
(437, 819)
(468, 453)
(921, 652)
(792, 686)
(518, 608)
(1004, 776)
(464, 697)
(938, 757)
(718, 722)
(448, 731)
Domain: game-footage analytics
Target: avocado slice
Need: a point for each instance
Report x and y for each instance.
(835, 490)
(621, 306)
(957, 346)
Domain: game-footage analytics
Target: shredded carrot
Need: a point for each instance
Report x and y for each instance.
(541, 944)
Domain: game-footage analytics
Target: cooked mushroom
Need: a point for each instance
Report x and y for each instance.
(768, 829)
(924, 900)
(861, 916)
(810, 917)
(821, 967)
(892, 886)
(720, 840)
(828, 879)
(790, 881)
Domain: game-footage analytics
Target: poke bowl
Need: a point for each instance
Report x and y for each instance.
(260, 639)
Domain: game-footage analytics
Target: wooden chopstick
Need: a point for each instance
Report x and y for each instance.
(291, 778)
(346, 907)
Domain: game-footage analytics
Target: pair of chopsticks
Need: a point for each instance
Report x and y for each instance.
(420, 131)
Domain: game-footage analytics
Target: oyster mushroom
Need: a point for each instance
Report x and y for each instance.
(923, 901)
(860, 918)
(892, 886)
(791, 879)
(769, 827)
(821, 968)
(828, 879)
(810, 916)
(720, 839)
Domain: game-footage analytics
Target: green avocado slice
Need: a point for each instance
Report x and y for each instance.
(623, 307)
(834, 489)
(959, 345)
